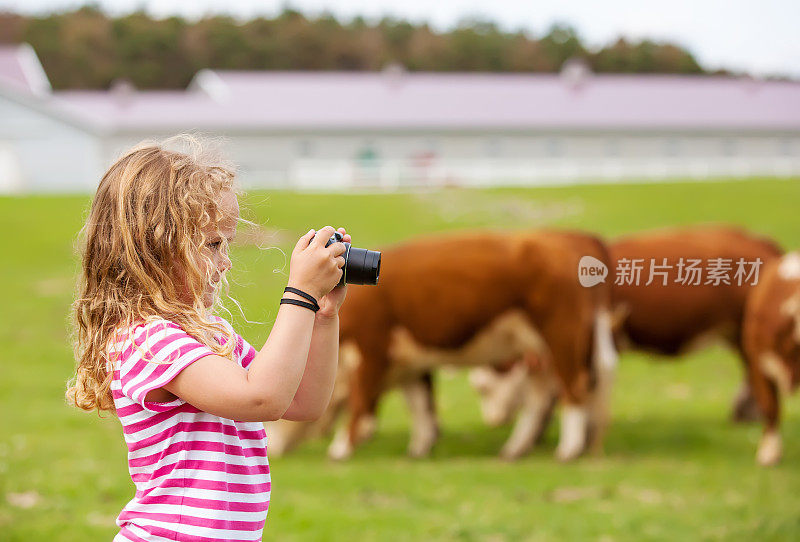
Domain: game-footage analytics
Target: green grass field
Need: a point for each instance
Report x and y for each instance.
(674, 468)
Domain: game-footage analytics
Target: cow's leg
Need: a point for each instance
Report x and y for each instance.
(367, 385)
(570, 355)
(502, 393)
(574, 426)
(745, 408)
(424, 424)
(327, 422)
(533, 417)
(359, 429)
(604, 365)
(284, 435)
(765, 389)
(547, 417)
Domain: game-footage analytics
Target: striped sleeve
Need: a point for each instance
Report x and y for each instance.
(246, 352)
(162, 350)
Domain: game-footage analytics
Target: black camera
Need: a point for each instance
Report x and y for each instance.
(361, 266)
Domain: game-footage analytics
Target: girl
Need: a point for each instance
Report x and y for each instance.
(189, 392)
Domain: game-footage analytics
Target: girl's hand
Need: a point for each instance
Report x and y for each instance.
(315, 268)
(332, 301)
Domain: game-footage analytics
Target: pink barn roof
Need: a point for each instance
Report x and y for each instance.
(20, 69)
(230, 101)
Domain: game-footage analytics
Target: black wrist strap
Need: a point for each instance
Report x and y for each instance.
(301, 293)
(299, 303)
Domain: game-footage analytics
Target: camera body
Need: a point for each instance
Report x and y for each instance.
(361, 266)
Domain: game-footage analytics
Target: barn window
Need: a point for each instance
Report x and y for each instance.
(367, 153)
(785, 146)
(553, 146)
(494, 146)
(305, 148)
(729, 146)
(672, 146)
(612, 146)
(431, 145)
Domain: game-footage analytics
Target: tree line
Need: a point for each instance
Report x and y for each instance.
(86, 48)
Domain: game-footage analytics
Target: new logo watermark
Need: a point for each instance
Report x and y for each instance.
(591, 271)
(684, 271)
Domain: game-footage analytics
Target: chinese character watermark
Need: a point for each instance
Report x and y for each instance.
(685, 272)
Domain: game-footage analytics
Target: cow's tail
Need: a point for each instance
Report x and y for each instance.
(604, 355)
(605, 321)
(604, 366)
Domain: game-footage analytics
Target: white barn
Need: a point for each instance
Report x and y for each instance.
(345, 130)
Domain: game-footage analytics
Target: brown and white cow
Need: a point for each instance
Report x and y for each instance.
(503, 389)
(669, 319)
(537, 379)
(472, 300)
(772, 346)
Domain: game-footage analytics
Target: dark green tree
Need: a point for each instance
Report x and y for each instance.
(85, 48)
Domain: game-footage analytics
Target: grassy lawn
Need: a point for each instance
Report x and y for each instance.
(674, 467)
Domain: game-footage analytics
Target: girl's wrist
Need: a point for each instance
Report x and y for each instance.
(324, 318)
(302, 288)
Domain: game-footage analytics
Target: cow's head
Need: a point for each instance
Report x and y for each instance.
(501, 391)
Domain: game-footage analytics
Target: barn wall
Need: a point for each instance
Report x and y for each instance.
(316, 161)
(40, 153)
(74, 160)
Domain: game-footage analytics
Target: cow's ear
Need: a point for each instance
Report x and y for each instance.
(482, 378)
(519, 369)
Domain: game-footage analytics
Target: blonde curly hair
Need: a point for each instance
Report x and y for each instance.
(143, 257)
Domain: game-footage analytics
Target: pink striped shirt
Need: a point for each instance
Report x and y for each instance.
(198, 476)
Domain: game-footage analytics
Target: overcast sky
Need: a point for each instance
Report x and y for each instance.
(758, 36)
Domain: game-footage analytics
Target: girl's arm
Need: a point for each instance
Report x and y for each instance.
(316, 387)
(265, 390)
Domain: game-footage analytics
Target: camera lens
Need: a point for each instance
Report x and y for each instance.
(361, 266)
